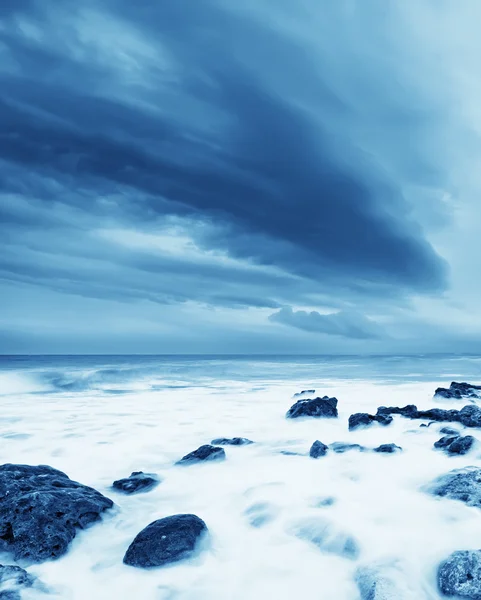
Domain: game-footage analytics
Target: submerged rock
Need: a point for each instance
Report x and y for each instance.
(388, 448)
(326, 536)
(460, 575)
(455, 444)
(137, 482)
(385, 582)
(166, 541)
(41, 510)
(449, 431)
(459, 484)
(261, 514)
(204, 453)
(459, 390)
(236, 441)
(13, 580)
(469, 415)
(364, 420)
(316, 407)
(318, 449)
(341, 447)
(304, 393)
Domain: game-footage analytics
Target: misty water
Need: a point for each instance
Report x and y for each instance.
(100, 418)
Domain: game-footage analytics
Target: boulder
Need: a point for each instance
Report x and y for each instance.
(137, 482)
(459, 390)
(445, 441)
(316, 407)
(166, 541)
(13, 580)
(41, 510)
(470, 416)
(459, 484)
(202, 454)
(364, 420)
(326, 536)
(455, 444)
(236, 441)
(460, 575)
(341, 447)
(318, 449)
(388, 448)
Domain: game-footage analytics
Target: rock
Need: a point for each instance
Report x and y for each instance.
(166, 541)
(364, 420)
(459, 390)
(290, 453)
(323, 502)
(445, 441)
(326, 536)
(236, 441)
(385, 582)
(317, 407)
(449, 431)
(469, 415)
(304, 393)
(318, 449)
(341, 447)
(202, 454)
(461, 445)
(388, 448)
(406, 411)
(41, 510)
(427, 424)
(12, 580)
(261, 514)
(137, 482)
(460, 575)
(459, 484)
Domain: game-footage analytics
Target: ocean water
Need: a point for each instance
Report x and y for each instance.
(100, 418)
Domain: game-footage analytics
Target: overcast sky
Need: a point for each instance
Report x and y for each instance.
(264, 176)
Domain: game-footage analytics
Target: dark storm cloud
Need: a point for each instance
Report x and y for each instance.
(349, 324)
(280, 185)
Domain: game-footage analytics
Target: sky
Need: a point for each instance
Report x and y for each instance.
(216, 176)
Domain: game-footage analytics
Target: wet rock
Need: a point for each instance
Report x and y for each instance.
(291, 453)
(385, 582)
(166, 541)
(445, 441)
(326, 536)
(137, 482)
(324, 502)
(428, 424)
(459, 484)
(317, 407)
(460, 575)
(304, 393)
(202, 454)
(364, 420)
(41, 510)
(459, 390)
(409, 411)
(388, 448)
(449, 431)
(341, 447)
(469, 416)
(455, 444)
(13, 580)
(318, 449)
(236, 441)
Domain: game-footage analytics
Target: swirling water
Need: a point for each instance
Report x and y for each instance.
(99, 418)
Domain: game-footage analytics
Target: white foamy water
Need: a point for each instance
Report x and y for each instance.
(98, 425)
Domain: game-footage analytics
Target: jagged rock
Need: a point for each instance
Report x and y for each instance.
(449, 431)
(459, 390)
(41, 510)
(341, 447)
(469, 415)
(236, 441)
(137, 482)
(455, 444)
(459, 484)
(326, 536)
(318, 449)
(166, 541)
(304, 393)
(460, 575)
(364, 420)
(406, 411)
(13, 580)
(445, 441)
(202, 454)
(388, 448)
(316, 407)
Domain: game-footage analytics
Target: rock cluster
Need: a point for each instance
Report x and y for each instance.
(459, 391)
(315, 407)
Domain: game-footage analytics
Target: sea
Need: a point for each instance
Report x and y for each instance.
(99, 418)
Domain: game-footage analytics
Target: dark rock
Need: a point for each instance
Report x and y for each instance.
(318, 449)
(469, 415)
(236, 441)
(137, 482)
(341, 447)
(12, 580)
(459, 390)
(449, 431)
(388, 448)
(427, 424)
(202, 454)
(409, 411)
(364, 420)
(304, 393)
(460, 575)
(317, 407)
(459, 484)
(445, 441)
(461, 445)
(290, 453)
(166, 541)
(327, 537)
(41, 510)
